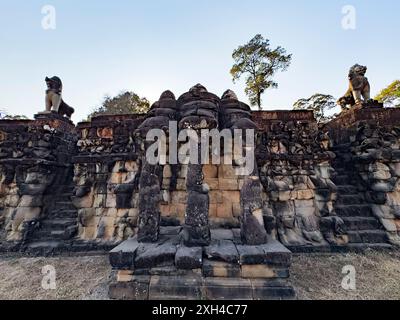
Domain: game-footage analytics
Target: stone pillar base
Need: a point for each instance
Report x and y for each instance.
(226, 269)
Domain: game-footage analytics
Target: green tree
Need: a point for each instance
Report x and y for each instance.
(16, 117)
(319, 104)
(6, 116)
(391, 94)
(123, 103)
(259, 63)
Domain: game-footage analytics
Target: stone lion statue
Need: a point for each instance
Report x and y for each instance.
(359, 91)
(54, 99)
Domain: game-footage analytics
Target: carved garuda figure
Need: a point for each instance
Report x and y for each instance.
(54, 99)
(359, 91)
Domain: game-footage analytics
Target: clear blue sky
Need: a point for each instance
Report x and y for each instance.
(103, 47)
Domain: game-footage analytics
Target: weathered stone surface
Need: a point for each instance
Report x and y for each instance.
(272, 253)
(271, 289)
(227, 289)
(196, 228)
(222, 250)
(125, 275)
(154, 255)
(136, 289)
(149, 207)
(175, 288)
(220, 269)
(189, 258)
(123, 256)
(222, 234)
(262, 271)
(252, 223)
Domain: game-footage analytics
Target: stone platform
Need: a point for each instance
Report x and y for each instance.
(225, 269)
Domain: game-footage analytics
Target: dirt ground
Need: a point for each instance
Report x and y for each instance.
(314, 276)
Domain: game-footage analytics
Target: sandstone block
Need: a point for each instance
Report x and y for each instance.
(227, 289)
(382, 211)
(167, 173)
(213, 183)
(212, 210)
(304, 203)
(125, 275)
(150, 255)
(228, 184)
(181, 184)
(305, 194)
(222, 234)
(230, 196)
(123, 256)
(99, 200)
(13, 200)
(215, 197)
(175, 288)
(220, 269)
(131, 166)
(263, 271)
(136, 289)
(189, 258)
(85, 202)
(284, 195)
(111, 200)
(389, 224)
(210, 171)
(179, 197)
(227, 171)
(222, 251)
(236, 210)
(224, 210)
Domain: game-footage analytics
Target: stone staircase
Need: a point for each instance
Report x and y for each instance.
(361, 225)
(56, 231)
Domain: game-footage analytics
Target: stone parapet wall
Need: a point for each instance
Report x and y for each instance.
(106, 170)
(35, 165)
(369, 139)
(99, 163)
(294, 158)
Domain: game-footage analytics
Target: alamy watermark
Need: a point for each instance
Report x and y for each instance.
(194, 147)
(49, 278)
(49, 19)
(349, 280)
(349, 19)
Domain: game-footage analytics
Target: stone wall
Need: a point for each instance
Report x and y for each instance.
(35, 166)
(105, 178)
(100, 163)
(294, 158)
(370, 145)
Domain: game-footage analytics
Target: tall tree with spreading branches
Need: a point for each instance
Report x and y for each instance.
(319, 104)
(259, 63)
(123, 103)
(390, 95)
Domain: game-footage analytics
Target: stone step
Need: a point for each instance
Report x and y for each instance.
(349, 199)
(65, 198)
(347, 189)
(344, 147)
(64, 203)
(367, 236)
(45, 248)
(58, 223)
(64, 213)
(55, 234)
(361, 223)
(341, 180)
(360, 210)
